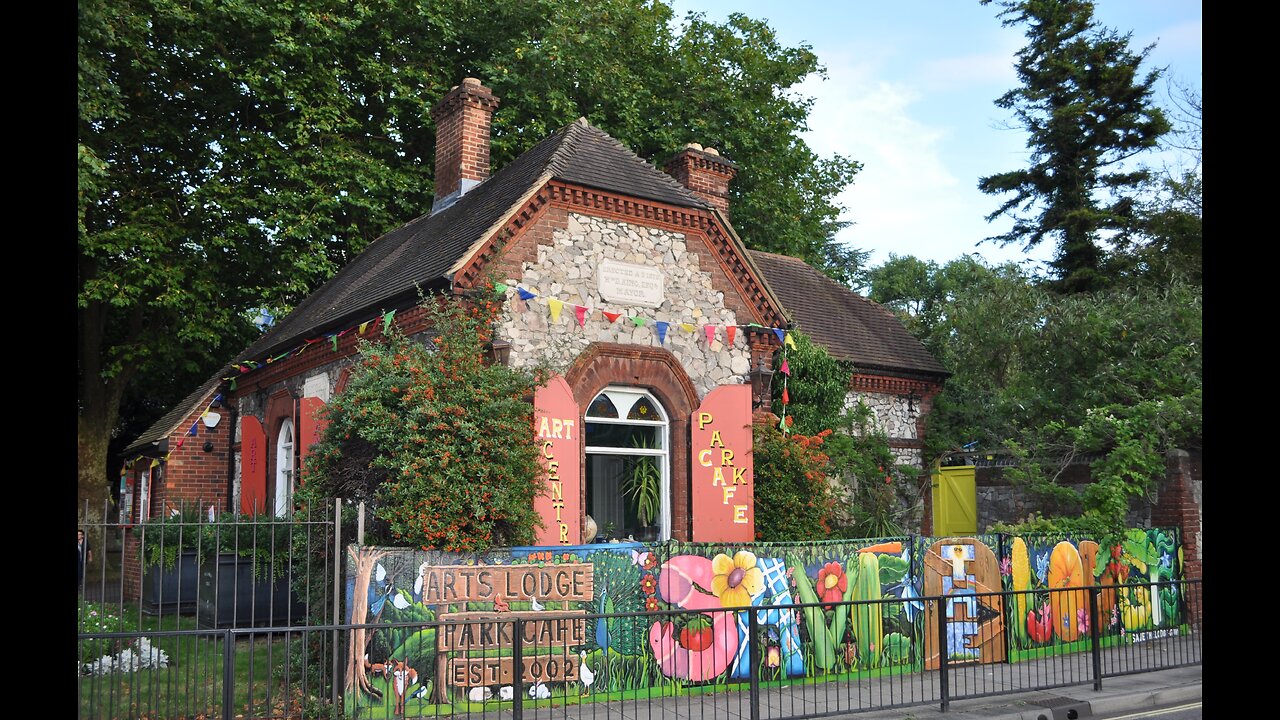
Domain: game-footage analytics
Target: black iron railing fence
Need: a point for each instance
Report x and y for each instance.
(189, 616)
(468, 668)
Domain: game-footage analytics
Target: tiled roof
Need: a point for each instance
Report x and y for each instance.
(850, 326)
(421, 252)
(166, 425)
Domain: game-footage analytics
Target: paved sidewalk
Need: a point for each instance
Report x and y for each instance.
(1123, 694)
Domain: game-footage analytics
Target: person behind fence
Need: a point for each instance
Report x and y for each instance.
(84, 554)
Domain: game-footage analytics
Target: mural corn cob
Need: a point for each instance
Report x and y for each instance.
(868, 621)
(1021, 569)
(824, 637)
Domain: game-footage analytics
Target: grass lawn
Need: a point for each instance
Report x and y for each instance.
(265, 679)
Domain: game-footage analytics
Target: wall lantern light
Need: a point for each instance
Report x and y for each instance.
(499, 352)
(912, 398)
(761, 384)
(211, 419)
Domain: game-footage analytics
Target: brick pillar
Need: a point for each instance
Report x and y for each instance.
(704, 172)
(1178, 506)
(463, 117)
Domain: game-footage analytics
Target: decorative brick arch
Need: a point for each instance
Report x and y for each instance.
(659, 372)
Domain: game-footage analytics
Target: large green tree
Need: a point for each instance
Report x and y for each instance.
(1169, 241)
(1087, 108)
(1113, 374)
(232, 155)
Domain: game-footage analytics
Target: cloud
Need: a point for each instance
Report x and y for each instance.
(906, 199)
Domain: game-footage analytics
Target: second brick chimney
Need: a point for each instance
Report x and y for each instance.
(463, 118)
(704, 172)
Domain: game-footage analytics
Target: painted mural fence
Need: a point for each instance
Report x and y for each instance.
(619, 621)
(566, 672)
(764, 630)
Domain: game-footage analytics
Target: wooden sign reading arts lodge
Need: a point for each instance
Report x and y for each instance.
(478, 639)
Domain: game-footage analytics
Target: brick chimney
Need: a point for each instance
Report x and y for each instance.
(705, 172)
(462, 118)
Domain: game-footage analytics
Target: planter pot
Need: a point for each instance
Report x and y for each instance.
(173, 590)
(231, 597)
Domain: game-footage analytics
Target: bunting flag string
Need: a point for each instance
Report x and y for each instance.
(521, 299)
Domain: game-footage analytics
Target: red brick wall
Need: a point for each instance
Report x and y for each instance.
(1177, 505)
(190, 477)
(463, 118)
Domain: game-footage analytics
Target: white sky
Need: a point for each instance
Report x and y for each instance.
(910, 93)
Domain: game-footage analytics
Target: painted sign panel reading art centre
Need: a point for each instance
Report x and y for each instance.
(555, 418)
(722, 498)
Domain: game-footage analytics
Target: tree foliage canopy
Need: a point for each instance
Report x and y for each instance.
(434, 439)
(1114, 375)
(862, 493)
(232, 155)
(1087, 109)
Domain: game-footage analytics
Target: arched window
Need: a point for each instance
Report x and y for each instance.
(628, 465)
(284, 469)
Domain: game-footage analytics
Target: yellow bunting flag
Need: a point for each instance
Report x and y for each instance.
(556, 306)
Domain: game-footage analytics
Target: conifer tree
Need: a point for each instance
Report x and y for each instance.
(1087, 107)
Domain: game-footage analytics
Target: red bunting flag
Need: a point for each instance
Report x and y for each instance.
(729, 330)
(711, 333)
(610, 316)
(581, 314)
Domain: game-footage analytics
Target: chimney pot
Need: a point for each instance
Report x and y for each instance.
(705, 173)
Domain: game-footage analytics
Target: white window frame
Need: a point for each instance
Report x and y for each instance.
(619, 395)
(285, 440)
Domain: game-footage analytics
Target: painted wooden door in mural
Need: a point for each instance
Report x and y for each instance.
(955, 501)
(960, 567)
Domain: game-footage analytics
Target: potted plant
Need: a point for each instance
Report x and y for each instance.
(230, 570)
(246, 583)
(170, 549)
(642, 485)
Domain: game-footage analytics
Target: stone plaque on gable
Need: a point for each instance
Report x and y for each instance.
(629, 284)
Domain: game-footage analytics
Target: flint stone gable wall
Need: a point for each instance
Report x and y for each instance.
(566, 269)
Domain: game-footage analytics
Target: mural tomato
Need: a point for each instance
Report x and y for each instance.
(1065, 572)
(696, 636)
(1040, 624)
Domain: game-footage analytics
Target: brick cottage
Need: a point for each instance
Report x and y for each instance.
(578, 224)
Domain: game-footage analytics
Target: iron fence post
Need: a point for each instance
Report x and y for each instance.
(943, 684)
(753, 633)
(1095, 637)
(337, 584)
(228, 672)
(517, 672)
